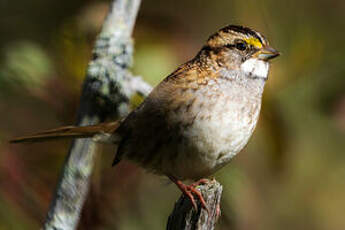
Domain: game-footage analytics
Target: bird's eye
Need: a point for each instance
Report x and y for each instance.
(241, 45)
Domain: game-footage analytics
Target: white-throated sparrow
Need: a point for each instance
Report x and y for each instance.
(198, 117)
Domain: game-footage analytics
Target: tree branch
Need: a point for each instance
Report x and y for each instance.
(184, 217)
(107, 89)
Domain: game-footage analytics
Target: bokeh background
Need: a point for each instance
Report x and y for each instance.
(290, 176)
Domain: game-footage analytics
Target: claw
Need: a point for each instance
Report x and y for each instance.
(190, 191)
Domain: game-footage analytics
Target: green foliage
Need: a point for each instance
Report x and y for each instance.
(25, 64)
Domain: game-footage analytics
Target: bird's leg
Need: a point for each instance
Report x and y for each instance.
(189, 190)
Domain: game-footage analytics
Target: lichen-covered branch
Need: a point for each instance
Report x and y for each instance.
(106, 92)
(184, 217)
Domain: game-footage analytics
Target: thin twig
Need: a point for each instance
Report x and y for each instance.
(106, 92)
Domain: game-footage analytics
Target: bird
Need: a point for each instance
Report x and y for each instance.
(197, 118)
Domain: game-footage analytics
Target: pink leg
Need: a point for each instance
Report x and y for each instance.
(189, 190)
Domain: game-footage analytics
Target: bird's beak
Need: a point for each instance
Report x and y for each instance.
(267, 53)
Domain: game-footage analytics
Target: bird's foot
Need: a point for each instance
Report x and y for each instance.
(190, 191)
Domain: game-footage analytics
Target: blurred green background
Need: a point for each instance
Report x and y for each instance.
(290, 176)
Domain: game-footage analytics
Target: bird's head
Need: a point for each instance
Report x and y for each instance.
(241, 48)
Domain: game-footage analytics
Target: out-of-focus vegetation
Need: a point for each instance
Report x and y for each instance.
(290, 176)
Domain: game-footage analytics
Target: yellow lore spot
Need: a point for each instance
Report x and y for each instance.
(254, 42)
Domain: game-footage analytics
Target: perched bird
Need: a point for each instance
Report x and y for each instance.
(198, 118)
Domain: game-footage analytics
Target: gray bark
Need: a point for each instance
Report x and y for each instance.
(107, 89)
(184, 217)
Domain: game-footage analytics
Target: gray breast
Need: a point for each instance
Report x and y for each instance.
(193, 142)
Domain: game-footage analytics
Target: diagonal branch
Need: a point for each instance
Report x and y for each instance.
(106, 92)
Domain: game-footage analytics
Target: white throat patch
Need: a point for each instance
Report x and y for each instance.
(255, 68)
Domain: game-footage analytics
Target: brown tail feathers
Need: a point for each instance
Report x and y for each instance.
(69, 132)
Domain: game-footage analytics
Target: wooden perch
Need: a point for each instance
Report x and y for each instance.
(184, 217)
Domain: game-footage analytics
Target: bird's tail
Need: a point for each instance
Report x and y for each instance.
(70, 132)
